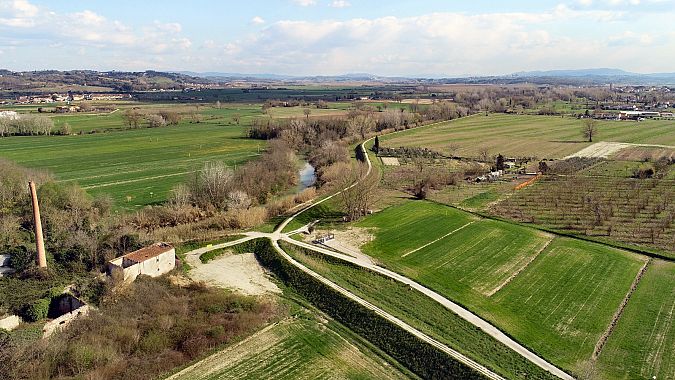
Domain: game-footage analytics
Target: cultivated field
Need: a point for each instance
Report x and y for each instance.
(643, 342)
(423, 313)
(534, 287)
(527, 136)
(295, 348)
(136, 167)
(636, 211)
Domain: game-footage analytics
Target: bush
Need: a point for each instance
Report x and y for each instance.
(21, 258)
(36, 310)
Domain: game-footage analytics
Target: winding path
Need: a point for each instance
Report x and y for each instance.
(457, 309)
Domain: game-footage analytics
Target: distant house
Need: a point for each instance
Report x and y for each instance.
(153, 261)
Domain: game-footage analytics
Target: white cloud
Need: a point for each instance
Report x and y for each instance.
(257, 20)
(340, 4)
(305, 3)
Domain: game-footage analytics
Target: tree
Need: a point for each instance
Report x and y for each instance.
(218, 105)
(132, 117)
(236, 117)
(543, 167)
(376, 145)
(590, 129)
(357, 199)
(307, 112)
(155, 121)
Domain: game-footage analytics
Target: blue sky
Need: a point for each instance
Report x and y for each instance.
(324, 37)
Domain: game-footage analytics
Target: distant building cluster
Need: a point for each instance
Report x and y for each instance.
(59, 98)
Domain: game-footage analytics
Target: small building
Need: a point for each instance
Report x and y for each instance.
(153, 261)
(63, 310)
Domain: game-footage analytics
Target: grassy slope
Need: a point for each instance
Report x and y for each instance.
(550, 306)
(423, 313)
(297, 348)
(524, 135)
(124, 163)
(643, 342)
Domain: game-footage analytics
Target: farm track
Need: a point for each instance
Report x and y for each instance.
(615, 319)
(465, 314)
(516, 273)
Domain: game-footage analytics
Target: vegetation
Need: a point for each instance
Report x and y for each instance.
(635, 211)
(305, 346)
(131, 338)
(509, 275)
(643, 342)
(525, 135)
(422, 313)
(421, 358)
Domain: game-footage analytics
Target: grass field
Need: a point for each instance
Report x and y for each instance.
(423, 313)
(296, 348)
(527, 136)
(643, 342)
(136, 167)
(555, 296)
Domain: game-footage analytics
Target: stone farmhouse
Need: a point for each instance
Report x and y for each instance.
(153, 261)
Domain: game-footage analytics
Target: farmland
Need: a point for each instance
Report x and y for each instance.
(302, 347)
(634, 211)
(136, 167)
(421, 312)
(643, 343)
(526, 135)
(533, 286)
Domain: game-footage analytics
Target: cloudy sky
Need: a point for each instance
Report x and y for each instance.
(325, 37)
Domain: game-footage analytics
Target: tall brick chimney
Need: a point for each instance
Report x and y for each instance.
(39, 241)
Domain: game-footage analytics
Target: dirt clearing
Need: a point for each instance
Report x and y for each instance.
(240, 272)
(390, 161)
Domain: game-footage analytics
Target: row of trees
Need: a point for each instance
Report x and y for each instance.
(26, 125)
(134, 118)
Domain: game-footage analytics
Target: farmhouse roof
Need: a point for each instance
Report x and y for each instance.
(148, 252)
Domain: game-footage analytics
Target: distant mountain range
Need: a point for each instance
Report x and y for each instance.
(580, 76)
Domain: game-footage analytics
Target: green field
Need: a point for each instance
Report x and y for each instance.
(527, 136)
(422, 313)
(136, 167)
(643, 342)
(296, 348)
(557, 301)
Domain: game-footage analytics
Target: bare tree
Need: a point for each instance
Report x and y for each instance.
(218, 105)
(236, 117)
(590, 129)
(357, 199)
(132, 117)
(307, 112)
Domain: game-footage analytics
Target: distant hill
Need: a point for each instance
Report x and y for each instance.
(28, 82)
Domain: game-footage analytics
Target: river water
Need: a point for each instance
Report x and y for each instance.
(307, 176)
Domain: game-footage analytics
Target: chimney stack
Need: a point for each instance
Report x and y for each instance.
(39, 241)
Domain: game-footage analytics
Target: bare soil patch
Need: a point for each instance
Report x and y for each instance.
(390, 161)
(240, 272)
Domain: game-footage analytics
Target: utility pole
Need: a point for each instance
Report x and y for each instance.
(39, 241)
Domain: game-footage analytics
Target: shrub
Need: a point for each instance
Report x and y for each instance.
(36, 310)
(21, 258)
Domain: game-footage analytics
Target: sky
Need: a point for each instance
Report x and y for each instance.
(429, 38)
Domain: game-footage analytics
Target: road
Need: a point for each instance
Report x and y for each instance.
(457, 309)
